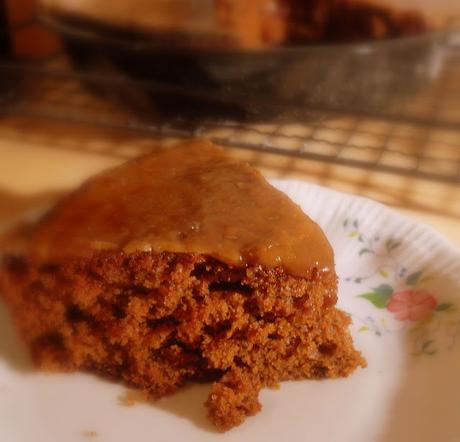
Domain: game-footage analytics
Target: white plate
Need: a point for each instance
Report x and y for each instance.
(400, 281)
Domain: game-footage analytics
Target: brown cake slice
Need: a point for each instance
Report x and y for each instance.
(184, 265)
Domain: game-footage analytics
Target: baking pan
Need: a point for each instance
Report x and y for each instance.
(167, 80)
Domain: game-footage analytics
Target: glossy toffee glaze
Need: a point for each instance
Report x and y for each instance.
(190, 198)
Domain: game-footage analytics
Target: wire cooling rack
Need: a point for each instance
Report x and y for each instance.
(422, 139)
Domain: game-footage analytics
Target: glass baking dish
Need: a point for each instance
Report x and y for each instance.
(194, 69)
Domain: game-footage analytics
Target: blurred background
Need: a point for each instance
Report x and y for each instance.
(360, 96)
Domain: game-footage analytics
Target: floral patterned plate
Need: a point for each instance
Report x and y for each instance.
(400, 282)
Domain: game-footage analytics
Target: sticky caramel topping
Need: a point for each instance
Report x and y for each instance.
(192, 198)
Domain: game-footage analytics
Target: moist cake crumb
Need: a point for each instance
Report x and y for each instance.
(157, 319)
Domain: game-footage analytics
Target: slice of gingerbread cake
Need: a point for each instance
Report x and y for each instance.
(183, 265)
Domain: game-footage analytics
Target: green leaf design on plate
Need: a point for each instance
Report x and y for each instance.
(363, 328)
(353, 234)
(383, 273)
(385, 290)
(364, 251)
(414, 278)
(355, 224)
(375, 299)
(380, 296)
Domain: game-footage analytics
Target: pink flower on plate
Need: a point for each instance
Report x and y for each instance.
(411, 305)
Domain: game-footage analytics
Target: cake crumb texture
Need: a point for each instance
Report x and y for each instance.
(159, 320)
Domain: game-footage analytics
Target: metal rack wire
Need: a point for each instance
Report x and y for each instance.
(422, 140)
